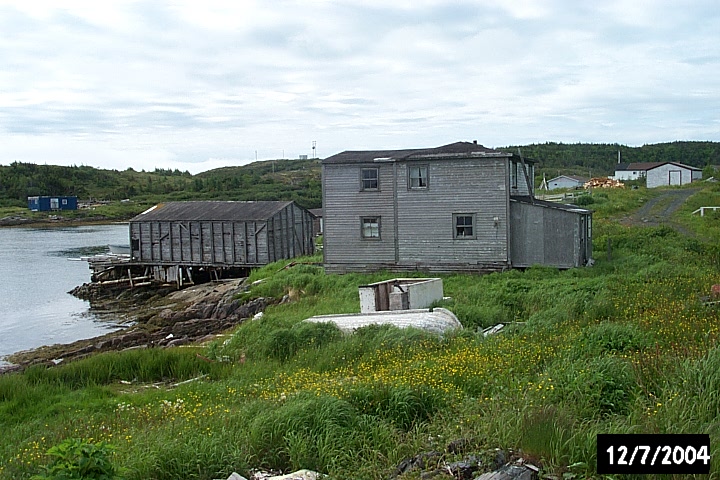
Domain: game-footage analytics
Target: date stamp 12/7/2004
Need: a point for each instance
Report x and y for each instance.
(653, 453)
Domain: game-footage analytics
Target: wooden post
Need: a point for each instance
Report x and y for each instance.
(130, 277)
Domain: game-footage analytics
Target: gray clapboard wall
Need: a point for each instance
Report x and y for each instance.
(232, 234)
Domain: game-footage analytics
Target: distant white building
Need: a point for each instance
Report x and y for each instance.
(633, 171)
(672, 173)
(566, 181)
(658, 174)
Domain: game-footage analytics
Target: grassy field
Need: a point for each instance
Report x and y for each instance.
(626, 346)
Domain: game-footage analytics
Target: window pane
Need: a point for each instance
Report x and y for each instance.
(369, 178)
(464, 226)
(371, 227)
(418, 177)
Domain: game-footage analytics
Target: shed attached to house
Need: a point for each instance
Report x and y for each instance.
(221, 234)
(549, 233)
(670, 174)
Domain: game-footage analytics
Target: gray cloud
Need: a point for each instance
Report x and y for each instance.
(187, 85)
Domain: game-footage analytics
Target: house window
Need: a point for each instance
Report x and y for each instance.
(464, 224)
(418, 177)
(513, 175)
(370, 227)
(369, 179)
(64, 201)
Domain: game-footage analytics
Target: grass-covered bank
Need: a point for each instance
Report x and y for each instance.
(623, 347)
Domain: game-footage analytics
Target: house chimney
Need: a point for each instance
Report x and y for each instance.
(475, 142)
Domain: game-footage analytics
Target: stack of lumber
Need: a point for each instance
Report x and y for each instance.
(603, 182)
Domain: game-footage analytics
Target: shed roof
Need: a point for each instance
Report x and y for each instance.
(452, 150)
(210, 211)
(571, 177)
(547, 204)
(639, 166)
(678, 164)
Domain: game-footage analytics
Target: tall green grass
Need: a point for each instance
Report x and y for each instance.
(623, 347)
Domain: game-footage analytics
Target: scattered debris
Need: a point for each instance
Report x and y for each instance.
(493, 330)
(261, 475)
(174, 385)
(495, 464)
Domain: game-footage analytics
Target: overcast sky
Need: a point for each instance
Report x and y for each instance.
(196, 85)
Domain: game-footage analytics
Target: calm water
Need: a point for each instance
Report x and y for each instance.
(35, 275)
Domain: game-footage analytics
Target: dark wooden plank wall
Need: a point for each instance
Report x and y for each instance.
(201, 243)
(290, 233)
(549, 236)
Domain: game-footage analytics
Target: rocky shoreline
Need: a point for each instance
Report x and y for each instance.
(158, 316)
(54, 220)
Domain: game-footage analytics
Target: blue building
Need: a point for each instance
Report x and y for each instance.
(46, 204)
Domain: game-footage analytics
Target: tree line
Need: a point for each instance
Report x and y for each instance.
(299, 180)
(600, 159)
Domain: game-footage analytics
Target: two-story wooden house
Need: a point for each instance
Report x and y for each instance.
(459, 207)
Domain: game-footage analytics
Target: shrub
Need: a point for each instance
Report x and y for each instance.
(401, 406)
(593, 388)
(304, 432)
(610, 337)
(76, 459)
(584, 200)
(285, 343)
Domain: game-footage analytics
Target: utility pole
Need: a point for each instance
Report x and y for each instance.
(314, 144)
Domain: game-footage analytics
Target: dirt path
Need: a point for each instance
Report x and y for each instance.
(658, 211)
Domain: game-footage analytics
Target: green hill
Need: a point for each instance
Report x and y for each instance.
(299, 180)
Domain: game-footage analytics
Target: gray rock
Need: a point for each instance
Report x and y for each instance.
(235, 476)
(510, 472)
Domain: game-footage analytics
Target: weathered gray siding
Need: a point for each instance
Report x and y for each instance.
(542, 235)
(417, 229)
(425, 219)
(516, 176)
(290, 233)
(344, 204)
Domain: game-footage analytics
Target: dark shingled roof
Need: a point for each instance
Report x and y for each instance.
(211, 211)
(642, 166)
(368, 156)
